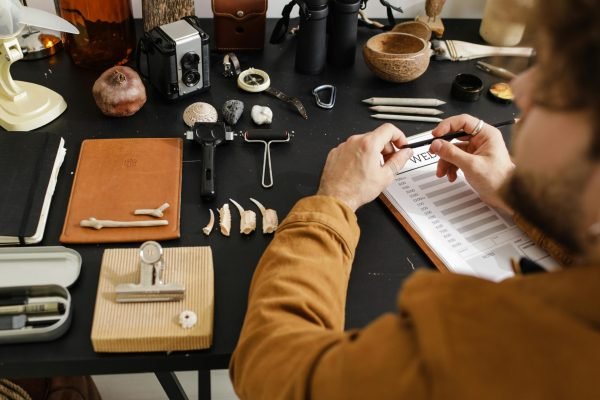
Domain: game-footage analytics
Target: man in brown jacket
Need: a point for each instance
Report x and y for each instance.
(534, 336)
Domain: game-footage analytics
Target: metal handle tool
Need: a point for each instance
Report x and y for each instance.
(266, 137)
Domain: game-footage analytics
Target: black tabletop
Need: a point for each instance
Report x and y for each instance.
(385, 255)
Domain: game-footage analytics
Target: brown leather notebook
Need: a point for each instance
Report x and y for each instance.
(114, 177)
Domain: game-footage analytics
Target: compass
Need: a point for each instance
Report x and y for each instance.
(255, 80)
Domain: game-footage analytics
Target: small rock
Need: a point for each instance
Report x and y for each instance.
(261, 115)
(232, 111)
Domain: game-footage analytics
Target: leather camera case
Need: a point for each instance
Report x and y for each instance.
(239, 24)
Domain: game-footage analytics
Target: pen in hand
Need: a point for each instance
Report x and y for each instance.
(451, 136)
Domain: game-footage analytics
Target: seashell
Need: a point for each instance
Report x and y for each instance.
(225, 219)
(199, 112)
(261, 115)
(208, 228)
(270, 221)
(232, 111)
(247, 219)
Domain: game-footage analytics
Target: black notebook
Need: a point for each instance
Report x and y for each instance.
(29, 165)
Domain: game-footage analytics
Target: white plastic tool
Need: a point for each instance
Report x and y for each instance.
(23, 105)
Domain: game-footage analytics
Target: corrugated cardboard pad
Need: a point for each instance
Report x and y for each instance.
(140, 327)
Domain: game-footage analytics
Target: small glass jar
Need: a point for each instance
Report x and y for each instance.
(106, 32)
(503, 21)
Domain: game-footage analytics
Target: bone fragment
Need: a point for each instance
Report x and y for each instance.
(270, 221)
(225, 219)
(157, 212)
(208, 228)
(106, 223)
(247, 219)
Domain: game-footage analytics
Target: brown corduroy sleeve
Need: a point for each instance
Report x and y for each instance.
(297, 300)
(292, 344)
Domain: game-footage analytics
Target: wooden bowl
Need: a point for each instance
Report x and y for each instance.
(397, 57)
(417, 28)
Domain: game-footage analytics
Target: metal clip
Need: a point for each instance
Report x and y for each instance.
(152, 286)
(329, 105)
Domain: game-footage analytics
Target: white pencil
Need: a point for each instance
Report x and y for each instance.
(406, 110)
(414, 118)
(398, 101)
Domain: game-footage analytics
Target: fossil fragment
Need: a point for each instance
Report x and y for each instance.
(225, 219)
(270, 222)
(247, 219)
(106, 223)
(208, 228)
(261, 115)
(157, 212)
(199, 112)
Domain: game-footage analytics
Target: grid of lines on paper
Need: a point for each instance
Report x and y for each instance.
(461, 207)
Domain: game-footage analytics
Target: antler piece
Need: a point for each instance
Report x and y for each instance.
(208, 228)
(247, 219)
(270, 221)
(106, 223)
(225, 219)
(157, 212)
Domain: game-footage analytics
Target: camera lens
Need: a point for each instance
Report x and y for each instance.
(191, 77)
(189, 64)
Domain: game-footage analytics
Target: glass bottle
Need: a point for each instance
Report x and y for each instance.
(503, 21)
(106, 32)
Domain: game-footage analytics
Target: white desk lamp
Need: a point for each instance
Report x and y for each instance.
(23, 105)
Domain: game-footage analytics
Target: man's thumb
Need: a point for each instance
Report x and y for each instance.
(451, 153)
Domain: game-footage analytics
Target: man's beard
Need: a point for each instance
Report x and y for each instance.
(552, 204)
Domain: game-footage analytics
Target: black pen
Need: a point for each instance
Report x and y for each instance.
(13, 300)
(454, 135)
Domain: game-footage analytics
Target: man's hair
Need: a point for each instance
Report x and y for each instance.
(568, 36)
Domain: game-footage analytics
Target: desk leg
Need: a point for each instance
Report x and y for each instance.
(204, 384)
(171, 385)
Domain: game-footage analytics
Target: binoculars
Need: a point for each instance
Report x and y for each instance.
(323, 20)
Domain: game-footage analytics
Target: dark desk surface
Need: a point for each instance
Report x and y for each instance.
(385, 251)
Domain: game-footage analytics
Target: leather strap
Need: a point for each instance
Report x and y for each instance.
(282, 26)
(231, 65)
(294, 101)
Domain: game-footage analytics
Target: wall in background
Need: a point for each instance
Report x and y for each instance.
(452, 9)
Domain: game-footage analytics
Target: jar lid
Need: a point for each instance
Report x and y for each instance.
(467, 87)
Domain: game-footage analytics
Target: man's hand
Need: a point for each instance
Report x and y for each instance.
(483, 158)
(354, 173)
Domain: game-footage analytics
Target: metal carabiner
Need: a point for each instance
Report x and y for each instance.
(329, 105)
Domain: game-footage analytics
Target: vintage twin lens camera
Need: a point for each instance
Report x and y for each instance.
(176, 58)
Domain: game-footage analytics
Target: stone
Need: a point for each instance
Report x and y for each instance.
(261, 115)
(232, 111)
